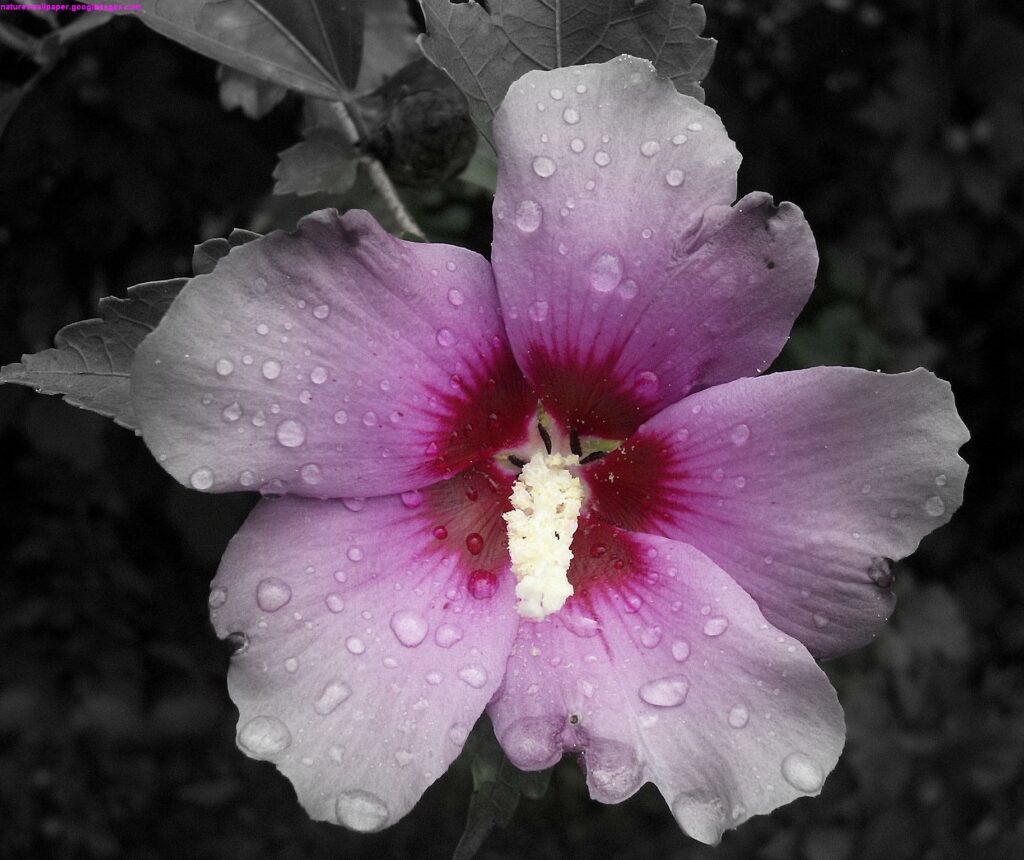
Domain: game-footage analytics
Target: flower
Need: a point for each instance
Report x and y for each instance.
(406, 399)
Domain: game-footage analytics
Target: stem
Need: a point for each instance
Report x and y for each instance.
(378, 175)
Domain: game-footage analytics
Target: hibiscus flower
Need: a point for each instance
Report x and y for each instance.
(550, 486)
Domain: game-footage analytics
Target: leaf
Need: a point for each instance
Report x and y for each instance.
(323, 162)
(90, 364)
(207, 254)
(485, 52)
(254, 96)
(314, 46)
(497, 788)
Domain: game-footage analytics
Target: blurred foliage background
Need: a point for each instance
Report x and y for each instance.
(898, 127)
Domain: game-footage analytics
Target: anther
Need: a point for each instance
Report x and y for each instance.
(518, 462)
(545, 436)
(592, 456)
(574, 442)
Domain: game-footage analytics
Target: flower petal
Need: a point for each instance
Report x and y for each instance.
(626, 278)
(662, 669)
(801, 486)
(368, 645)
(335, 360)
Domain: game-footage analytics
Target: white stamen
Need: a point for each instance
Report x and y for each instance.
(546, 501)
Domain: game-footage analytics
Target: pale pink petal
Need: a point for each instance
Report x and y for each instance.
(661, 669)
(370, 640)
(333, 361)
(626, 278)
(801, 486)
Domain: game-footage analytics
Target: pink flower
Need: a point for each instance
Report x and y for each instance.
(390, 390)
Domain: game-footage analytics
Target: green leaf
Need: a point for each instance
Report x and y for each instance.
(497, 787)
(206, 255)
(485, 52)
(90, 364)
(323, 162)
(253, 96)
(314, 46)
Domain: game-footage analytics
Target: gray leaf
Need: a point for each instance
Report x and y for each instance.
(90, 364)
(207, 254)
(484, 53)
(323, 162)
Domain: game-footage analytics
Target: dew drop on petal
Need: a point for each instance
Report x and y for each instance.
(458, 733)
(538, 311)
(650, 637)
(802, 772)
(628, 289)
(335, 602)
(311, 473)
(272, 593)
(934, 507)
(571, 116)
(455, 298)
(695, 126)
(445, 337)
(602, 158)
(264, 736)
(262, 329)
(321, 312)
(649, 148)
(665, 692)
(646, 383)
(529, 215)
(674, 177)
(738, 716)
(361, 811)
(201, 478)
(318, 375)
(291, 433)
(701, 816)
(332, 695)
(577, 145)
(680, 650)
(355, 554)
(412, 499)
(355, 645)
(819, 620)
(740, 434)
(482, 584)
(232, 412)
(410, 628)
(605, 272)
(679, 139)
(217, 597)
(716, 626)
(271, 369)
(475, 675)
(224, 366)
(474, 543)
(447, 635)
(340, 417)
(246, 478)
(543, 166)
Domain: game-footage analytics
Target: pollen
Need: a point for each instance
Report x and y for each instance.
(546, 501)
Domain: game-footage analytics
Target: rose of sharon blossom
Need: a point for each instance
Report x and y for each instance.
(686, 537)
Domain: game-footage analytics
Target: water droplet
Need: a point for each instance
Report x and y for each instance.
(264, 736)
(716, 626)
(880, 572)
(543, 166)
(538, 311)
(650, 148)
(263, 329)
(355, 554)
(571, 117)
(246, 478)
(410, 628)
(529, 215)
(207, 399)
(674, 177)
(650, 637)
(291, 433)
(940, 480)
(605, 272)
(458, 733)
(311, 473)
(577, 145)
(318, 375)
(291, 665)
(718, 475)
(557, 94)
(224, 366)
(340, 417)
(456, 297)
(361, 811)
(271, 369)
(738, 716)
(440, 532)
(321, 312)
(217, 597)
(445, 337)
(272, 593)
(335, 602)
(665, 692)
(701, 816)
(355, 645)
(740, 434)
(695, 126)
(201, 478)
(232, 412)
(801, 772)
(602, 158)
(370, 418)
(819, 620)
(447, 635)
(679, 139)
(628, 289)
(474, 543)
(934, 507)
(680, 650)
(482, 584)
(646, 384)
(475, 675)
(581, 88)
(412, 498)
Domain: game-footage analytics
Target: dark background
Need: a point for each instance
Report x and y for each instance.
(897, 126)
